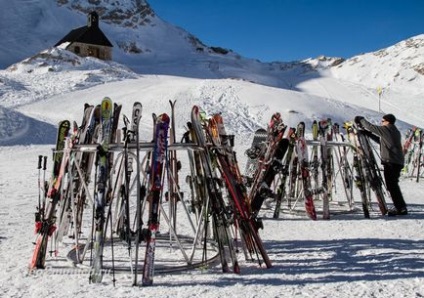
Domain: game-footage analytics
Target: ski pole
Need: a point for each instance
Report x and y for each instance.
(40, 159)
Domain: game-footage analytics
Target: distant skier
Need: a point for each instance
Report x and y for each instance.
(392, 157)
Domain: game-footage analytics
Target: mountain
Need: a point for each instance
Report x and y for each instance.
(151, 55)
(403, 65)
(140, 38)
(150, 45)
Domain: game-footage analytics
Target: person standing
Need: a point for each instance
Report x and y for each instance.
(392, 158)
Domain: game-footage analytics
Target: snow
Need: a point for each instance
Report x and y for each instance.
(343, 257)
(346, 256)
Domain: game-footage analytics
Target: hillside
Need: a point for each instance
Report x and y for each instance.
(150, 55)
(149, 45)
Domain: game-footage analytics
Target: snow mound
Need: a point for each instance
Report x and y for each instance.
(56, 71)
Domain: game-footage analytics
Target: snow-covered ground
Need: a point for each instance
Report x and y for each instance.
(346, 256)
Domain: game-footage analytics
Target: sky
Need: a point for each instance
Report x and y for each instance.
(287, 30)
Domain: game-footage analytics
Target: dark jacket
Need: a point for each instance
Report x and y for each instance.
(390, 142)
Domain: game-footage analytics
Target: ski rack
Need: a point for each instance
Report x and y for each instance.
(77, 191)
(102, 178)
(188, 246)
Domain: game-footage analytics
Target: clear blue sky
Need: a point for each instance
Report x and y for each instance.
(286, 30)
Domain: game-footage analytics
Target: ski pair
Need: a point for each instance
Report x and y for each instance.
(366, 167)
(131, 136)
(303, 159)
(289, 161)
(103, 165)
(325, 135)
(158, 163)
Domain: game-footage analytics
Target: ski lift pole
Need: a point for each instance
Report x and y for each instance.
(379, 92)
(420, 148)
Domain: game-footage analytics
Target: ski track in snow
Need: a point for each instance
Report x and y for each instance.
(218, 97)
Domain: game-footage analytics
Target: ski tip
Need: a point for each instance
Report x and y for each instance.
(106, 104)
(261, 130)
(195, 109)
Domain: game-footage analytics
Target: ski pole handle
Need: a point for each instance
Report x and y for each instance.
(45, 163)
(40, 158)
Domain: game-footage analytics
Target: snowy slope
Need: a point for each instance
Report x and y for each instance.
(29, 27)
(57, 76)
(347, 256)
(313, 92)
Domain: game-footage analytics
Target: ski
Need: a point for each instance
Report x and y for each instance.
(256, 150)
(419, 157)
(330, 161)
(174, 194)
(372, 172)
(281, 190)
(134, 136)
(302, 153)
(314, 158)
(100, 196)
(325, 164)
(159, 155)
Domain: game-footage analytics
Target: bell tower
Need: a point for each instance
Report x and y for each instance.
(93, 19)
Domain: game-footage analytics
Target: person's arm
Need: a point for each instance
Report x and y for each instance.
(375, 129)
(372, 136)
